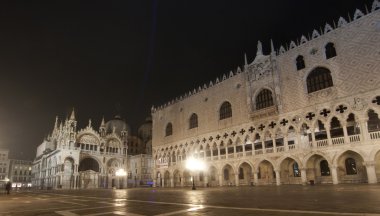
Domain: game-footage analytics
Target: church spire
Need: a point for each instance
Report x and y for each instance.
(72, 116)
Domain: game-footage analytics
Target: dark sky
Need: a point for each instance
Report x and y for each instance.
(93, 55)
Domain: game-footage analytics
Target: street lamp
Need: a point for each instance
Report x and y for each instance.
(194, 165)
(120, 173)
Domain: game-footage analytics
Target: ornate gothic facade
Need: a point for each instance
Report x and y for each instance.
(86, 158)
(307, 113)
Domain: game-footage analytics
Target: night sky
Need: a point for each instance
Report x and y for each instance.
(96, 56)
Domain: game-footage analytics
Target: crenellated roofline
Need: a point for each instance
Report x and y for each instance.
(342, 22)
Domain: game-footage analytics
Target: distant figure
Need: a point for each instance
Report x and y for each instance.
(8, 187)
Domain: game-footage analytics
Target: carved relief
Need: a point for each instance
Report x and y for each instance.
(358, 104)
(88, 139)
(260, 70)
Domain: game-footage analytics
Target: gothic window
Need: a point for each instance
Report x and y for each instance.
(325, 170)
(330, 50)
(373, 121)
(169, 129)
(193, 123)
(296, 171)
(264, 99)
(300, 63)
(225, 111)
(318, 79)
(351, 166)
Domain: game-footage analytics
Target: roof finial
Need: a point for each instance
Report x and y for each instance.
(72, 116)
(245, 59)
(56, 122)
(103, 124)
(89, 122)
(259, 49)
(272, 47)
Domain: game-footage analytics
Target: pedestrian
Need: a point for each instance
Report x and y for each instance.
(8, 187)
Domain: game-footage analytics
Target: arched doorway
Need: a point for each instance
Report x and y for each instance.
(213, 180)
(187, 179)
(89, 173)
(350, 168)
(177, 178)
(318, 170)
(245, 174)
(228, 175)
(290, 172)
(265, 173)
(114, 181)
(167, 179)
(68, 174)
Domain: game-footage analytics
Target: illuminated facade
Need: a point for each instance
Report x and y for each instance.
(303, 114)
(4, 166)
(70, 158)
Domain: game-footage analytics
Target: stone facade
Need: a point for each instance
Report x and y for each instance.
(4, 167)
(20, 173)
(70, 158)
(304, 114)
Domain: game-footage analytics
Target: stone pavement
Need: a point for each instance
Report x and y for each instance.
(264, 200)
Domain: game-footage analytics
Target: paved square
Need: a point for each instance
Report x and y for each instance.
(266, 200)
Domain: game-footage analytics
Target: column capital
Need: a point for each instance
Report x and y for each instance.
(369, 163)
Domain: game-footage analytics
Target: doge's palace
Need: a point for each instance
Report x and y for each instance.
(305, 113)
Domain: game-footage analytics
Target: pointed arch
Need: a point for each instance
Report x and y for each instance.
(264, 99)
(330, 51)
(193, 121)
(319, 78)
(169, 129)
(225, 110)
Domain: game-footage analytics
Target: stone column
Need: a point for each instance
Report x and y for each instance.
(162, 182)
(278, 178)
(220, 180)
(75, 181)
(182, 181)
(364, 129)
(286, 143)
(263, 146)
(255, 178)
(334, 174)
(371, 172)
(329, 141)
(218, 152)
(314, 143)
(298, 138)
(346, 139)
(154, 183)
(205, 180)
(303, 176)
(172, 182)
(237, 179)
(274, 144)
(211, 153)
(244, 149)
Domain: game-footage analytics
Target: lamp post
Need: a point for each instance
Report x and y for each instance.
(120, 173)
(194, 165)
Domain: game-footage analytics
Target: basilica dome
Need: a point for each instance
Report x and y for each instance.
(119, 125)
